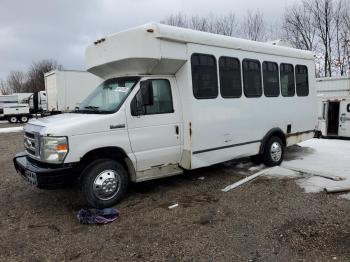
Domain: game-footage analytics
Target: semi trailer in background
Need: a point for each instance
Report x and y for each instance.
(333, 106)
(65, 89)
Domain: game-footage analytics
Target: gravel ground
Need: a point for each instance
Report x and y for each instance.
(264, 220)
(4, 124)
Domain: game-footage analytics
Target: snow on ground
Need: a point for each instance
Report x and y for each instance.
(280, 173)
(326, 156)
(11, 129)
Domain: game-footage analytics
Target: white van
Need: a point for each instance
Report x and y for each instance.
(174, 99)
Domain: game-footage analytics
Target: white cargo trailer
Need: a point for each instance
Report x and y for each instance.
(175, 99)
(333, 106)
(65, 89)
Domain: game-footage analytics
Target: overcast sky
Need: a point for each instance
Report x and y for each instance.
(31, 30)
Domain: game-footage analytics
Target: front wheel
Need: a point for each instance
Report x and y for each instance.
(12, 119)
(104, 183)
(273, 152)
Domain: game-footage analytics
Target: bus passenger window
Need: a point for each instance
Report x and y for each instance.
(252, 78)
(302, 80)
(230, 77)
(271, 79)
(287, 80)
(204, 76)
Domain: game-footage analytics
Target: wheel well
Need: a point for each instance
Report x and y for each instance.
(273, 132)
(114, 153)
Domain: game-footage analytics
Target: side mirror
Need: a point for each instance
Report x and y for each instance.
(146, 93)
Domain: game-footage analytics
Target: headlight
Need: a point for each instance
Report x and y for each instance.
(53, 149)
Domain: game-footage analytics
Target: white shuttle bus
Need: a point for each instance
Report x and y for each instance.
(173, 99)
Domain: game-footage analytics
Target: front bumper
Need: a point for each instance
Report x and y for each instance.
(43, 175)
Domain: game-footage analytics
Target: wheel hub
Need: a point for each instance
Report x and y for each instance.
(276, 151)
(106, 184)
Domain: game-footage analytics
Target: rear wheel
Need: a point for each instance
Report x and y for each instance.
(24, 119)
(273, 152)
(104, 183)
(12, 119)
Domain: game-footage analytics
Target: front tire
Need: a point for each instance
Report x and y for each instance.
(12, 119)
(104, 183)
(273, 152)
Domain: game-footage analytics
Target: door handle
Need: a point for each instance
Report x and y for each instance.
(176, 129)
(117, 126)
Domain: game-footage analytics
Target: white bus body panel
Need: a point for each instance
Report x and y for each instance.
(65, 89)
(245, 121)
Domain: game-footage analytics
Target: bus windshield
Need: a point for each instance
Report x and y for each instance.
(109, 96)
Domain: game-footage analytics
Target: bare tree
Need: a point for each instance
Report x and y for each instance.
(4, 90)
(198, 23)
(224, 25)
(340, 37)
(253, 26)
(35, 76)
(16, 81)
(297, 27)
(178, 19)
(322, 12)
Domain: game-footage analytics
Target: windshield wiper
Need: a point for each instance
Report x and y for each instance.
(95, 108)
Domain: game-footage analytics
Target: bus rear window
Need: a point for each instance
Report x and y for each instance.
(230, 77)
(287, 80)
(302, 80)
(252, 78)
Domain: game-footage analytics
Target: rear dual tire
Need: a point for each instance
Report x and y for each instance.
(23, 119)
(15, 119)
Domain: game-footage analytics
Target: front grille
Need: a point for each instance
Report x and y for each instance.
(32, 144)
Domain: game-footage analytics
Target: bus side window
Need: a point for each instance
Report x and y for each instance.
(302, 80)
(252, 78)
(230, 77)
(271, 79)
(287, 80)
(204, 76)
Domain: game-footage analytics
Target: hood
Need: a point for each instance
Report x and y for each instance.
(71, 124)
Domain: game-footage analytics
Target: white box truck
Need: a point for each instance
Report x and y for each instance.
(333, 95)
(174, 99)
(65, 89)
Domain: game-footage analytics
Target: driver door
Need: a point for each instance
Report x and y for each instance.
(155, 129)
